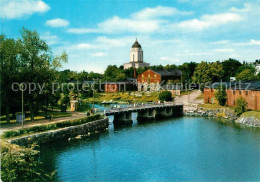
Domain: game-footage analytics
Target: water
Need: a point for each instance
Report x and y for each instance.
(181, 149)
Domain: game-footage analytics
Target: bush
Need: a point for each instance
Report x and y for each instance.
(22, 164)
(221, 95)
(35, 129)
(165, 96)
(240, 107)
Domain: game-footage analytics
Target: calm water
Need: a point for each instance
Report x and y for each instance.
(171, 150)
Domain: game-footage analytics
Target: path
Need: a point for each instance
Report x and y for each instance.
(17, 126)
(190, 99)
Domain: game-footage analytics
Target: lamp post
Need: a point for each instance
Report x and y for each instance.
(22, 104)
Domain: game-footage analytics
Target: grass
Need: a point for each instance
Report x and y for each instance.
(40, 116)
(255, 114)
(119, 97)
(214, 106)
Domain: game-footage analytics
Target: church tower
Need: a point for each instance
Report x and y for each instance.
(136, 53)
(136, 57)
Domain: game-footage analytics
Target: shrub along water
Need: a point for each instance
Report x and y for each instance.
(41, 128)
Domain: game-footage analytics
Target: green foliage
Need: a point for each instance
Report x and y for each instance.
(208, 72)
(230, 68)
(165, 96)
(22, 164)
(113, 73)
(246, 75)
(36, 129)
(240, 106)
(221, 95)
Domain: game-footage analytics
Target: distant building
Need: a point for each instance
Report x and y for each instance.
(153, 80)
(250, 91)
(129, 85)
(136, 57)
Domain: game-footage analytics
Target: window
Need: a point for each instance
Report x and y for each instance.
(240, 92)
(234, 92)
(142, 80)
(155, 75)
(142, 75)
(246, 92)
(149, 75)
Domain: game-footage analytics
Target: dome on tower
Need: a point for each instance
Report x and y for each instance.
(136, 45)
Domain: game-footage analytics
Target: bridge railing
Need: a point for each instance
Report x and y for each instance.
(137, 106)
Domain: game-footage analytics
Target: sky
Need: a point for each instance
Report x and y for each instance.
(98, 33)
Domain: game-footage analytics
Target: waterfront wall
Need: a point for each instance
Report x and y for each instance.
(225, 113)
(63, 133)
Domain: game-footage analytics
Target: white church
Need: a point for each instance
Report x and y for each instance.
(136, 57)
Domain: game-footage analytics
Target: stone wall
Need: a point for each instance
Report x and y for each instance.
(63, 133)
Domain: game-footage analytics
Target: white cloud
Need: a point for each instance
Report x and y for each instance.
(158, 11)
(57, 22)
(98, 54)
(50, 39)
(224, 50)
(21, 8)
(147, 20)
(164, 58)
(252, 42)
(81, 46)
(207, 21)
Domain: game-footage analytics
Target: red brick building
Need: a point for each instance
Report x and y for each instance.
(120, 86)
(250, 91)
(150, 80)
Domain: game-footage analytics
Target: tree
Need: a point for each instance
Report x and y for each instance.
(221, 95)
(113, 73)
(165, 96)
(240, 106)
(208, 72)
(38, 66)
(230, 68)
(22, 164)
(246, 75)
(9, 52)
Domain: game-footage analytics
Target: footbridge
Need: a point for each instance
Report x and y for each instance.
(145, 111)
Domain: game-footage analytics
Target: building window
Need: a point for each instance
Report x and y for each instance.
(149, 75)
(155, 75)
(246, 92)
(234, 92)
(234, 102)
(240, 92)
(142, 75)
(143, 80)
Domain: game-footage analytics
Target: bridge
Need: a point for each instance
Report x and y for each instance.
(145, 111)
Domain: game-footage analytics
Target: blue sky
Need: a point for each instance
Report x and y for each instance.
(98, 33)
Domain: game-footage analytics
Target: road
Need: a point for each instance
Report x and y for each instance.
(190, 99)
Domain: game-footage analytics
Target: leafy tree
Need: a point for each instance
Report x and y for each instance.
(240, 106)
(37, 66)
(22, 164)
(113, 73)
(245, 66)
(230, 68)
(208, 72)
(9, 52)
(187, 70)
(165, 96)
(246, 75)
(221, 95)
